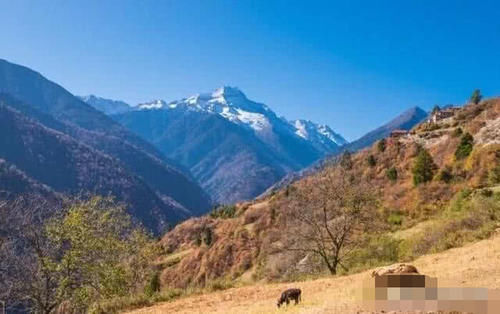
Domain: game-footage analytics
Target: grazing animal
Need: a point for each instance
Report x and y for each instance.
(290, 294)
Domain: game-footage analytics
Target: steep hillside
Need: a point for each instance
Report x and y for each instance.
(230, 162)
(404, 121)
(44, 100)
(53, 161)
(474, 265)
(14, 182)
(456, 203)
(236, 148)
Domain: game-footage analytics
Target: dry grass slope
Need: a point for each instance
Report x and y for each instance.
(475, 265)
(250, 245)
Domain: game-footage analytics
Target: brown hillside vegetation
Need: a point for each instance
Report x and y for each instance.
(454, 205)
(475, 265)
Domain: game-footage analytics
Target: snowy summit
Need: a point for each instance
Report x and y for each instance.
(232, 104)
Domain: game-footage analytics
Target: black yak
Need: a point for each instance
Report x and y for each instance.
(290, 294)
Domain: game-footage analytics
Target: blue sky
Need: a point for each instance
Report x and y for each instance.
(350, 64)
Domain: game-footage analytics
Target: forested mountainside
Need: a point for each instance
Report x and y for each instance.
(230, 162)
(429, 189)
(28, 98)
(235, 147)
(49, 158)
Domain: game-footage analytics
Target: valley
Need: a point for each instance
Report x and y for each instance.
(416, 179)
(244, 201)
(224, 156)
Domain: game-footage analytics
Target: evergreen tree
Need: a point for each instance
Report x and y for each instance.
(423, 168)
(464, 148)
(476, 97)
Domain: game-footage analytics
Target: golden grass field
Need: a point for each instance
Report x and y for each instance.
(474, 265)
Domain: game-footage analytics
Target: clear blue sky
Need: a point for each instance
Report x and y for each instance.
(350, 64)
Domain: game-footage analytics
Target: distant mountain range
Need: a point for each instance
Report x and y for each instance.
(235, 147)
(404, 121)
(108, 106)
(52, 140)
(166, 160)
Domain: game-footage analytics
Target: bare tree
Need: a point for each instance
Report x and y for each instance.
(26, 280)
(327, 215)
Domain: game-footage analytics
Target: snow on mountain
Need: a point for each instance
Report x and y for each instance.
(155, 104)
(228, 102)
(108, 106)
(319, 133)
(232, 104)
(235, 147)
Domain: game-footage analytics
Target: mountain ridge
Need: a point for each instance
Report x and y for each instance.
(275, 146)
(248, 242)
(404, 121)
(106, 105)
(67, 166)
(50, 104)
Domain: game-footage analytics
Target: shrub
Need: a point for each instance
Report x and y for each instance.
(272, 213)
(494, 175)
(204, 236)
(445, 175)
(224, 212)
(423, 167)
(392, 174)
(153, 285)
(458, 201)
(470, 217)
(464, 148)
(486, 192)
(289, 190)
(381, 145)
(371, 160)
(395, 218)
(346, 160)
(457, 132)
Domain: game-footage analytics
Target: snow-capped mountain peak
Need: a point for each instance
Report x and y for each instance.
(228, 102)
(155, 104)
(319, 133)
(233, 105)
(228, 92)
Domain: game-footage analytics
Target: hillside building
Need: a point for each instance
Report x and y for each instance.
(442, 114)
(399, 133)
